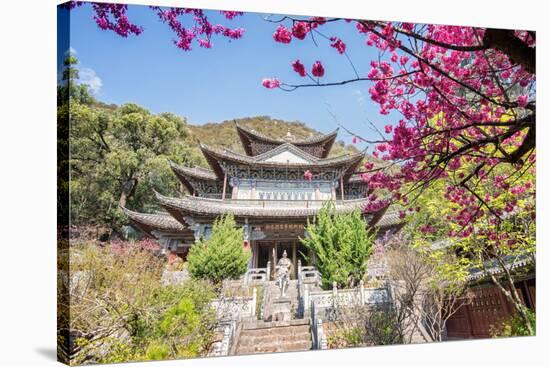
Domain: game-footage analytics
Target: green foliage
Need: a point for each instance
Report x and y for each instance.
(382, 327)
(157, 351)
(222, 256)
(345, 337)
(515, 326)
(119, 157)
(124, 313)
(341, 244)
(493, 242)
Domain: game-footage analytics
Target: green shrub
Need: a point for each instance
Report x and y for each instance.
(515, 326)
(124, 313)
(341, 243)
(157, 351)
(222, 256)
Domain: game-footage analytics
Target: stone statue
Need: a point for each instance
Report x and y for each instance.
(282, 273)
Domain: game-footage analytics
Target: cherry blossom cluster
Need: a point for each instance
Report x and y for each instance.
(202, 30)
(113, 17)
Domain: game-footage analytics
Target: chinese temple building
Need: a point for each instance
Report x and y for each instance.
(266, 191)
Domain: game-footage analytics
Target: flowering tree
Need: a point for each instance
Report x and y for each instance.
(465, 98)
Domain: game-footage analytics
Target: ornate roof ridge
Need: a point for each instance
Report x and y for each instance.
(316, 139)
(227, 153)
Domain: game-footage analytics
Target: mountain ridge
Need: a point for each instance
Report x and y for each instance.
(226, 135)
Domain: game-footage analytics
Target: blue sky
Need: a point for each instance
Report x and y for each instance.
(213, 85)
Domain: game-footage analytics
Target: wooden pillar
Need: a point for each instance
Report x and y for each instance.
(342, 186)
(224, 185)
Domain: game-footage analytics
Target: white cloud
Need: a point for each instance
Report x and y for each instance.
(88, 76)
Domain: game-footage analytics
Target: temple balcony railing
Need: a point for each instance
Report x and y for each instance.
(271, 201)
(279, 203)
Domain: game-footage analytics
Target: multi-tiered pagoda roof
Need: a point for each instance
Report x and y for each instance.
(266, 184)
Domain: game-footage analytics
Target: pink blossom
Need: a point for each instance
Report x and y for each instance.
(522, 101)
(354, 140)
(317, 69)
(338, 45)
(282, 34)
(299, 68)
(271, 83)
(300, 29)
(388, 129)
(308, 175)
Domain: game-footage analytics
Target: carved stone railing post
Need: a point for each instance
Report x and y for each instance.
(306, 300)
(320, 338)
(362, 291)
(254, 298)
(268, 271)
(334, 293)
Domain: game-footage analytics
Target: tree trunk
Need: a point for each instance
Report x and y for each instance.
(128, 190)
(513, 297)
(517, 50)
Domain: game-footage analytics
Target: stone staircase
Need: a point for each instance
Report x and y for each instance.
(273, 292)
(271, 337)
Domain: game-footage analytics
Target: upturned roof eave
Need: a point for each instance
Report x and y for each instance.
(211, 208)
(213, 156)
(148, 223)
(247, 135)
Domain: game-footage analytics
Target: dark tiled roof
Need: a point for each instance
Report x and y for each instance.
(193, 205)
(493, 267)
(196, 172)
(151, 222)
(316, 139)
(319, 145)
(228, 155)
(250, 208)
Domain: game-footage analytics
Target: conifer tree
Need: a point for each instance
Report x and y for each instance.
(222, 256)
(341, 244)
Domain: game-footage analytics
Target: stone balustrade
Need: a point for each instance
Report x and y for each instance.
(319, 337)
(236, 308)
(359, 296)
(255, 275)
(222, 347)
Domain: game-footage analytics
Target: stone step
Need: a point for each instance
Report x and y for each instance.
(275, 331)
(270, 341)
(270, 337)
(247, 338)
(287, 347)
